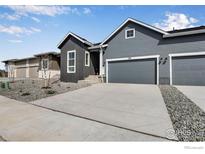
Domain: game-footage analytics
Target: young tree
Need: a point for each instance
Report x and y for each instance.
(46, 73)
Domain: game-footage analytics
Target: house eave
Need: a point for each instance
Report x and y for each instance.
(184, 33)
(46, 53)
(98, 46)
(78, 38)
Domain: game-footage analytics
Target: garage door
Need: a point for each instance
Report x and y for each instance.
(33, 72)
(21, 72)
(142, 71)
(189, 70)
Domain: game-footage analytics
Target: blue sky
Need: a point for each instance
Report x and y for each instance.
(27, 30)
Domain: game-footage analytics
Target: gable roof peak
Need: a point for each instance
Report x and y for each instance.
(81, 39)
(137, 22)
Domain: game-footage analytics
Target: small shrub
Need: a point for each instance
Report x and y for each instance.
(33, 81)
(3, 86)
(50, 92)
(25, 94)
(45, 87)
(21, 91)
(68, 87)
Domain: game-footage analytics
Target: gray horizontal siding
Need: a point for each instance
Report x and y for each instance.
(149, 42)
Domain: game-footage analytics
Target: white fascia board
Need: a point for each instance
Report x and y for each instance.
(98, 46)
(72, 34)
(133, 58)
(137, 22)
(187, 54)
(184, 33)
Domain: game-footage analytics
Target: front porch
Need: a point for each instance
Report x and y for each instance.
(96, 56)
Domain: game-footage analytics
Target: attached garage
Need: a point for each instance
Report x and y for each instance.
(187, 69)
(21, 72)
(138, 70)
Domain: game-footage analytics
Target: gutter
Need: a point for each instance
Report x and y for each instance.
(97, 47)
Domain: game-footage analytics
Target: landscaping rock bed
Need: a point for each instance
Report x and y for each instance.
(187, 118)
(30, 90)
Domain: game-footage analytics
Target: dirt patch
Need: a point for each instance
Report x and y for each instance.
(30, 90)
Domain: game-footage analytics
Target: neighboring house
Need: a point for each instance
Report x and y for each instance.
(42, 65)
(137, 53)
(3, 73)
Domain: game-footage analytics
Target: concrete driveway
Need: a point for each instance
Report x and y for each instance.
(24, 122)
(195, 93)
(136, 107)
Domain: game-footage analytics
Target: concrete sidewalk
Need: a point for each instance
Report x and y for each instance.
(132, 106)
(25, 122)
(195, 93)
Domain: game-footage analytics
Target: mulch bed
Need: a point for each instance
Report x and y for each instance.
(187, 118)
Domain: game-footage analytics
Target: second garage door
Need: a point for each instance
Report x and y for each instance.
(143, 71)
(189, 70)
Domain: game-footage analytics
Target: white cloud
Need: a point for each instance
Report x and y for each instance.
(122, 7)
(87, 11)
(35, 19)
(20, 11)
(10, 16)
(15, 41)
(39, 10)
(16, 30)
(176, 21)
(73, 11)
(35, 29)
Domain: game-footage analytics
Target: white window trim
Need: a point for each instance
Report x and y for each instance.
(86, 52)
(181, 55)
(68, 71)
(133, 58)
(42, 64)
(130, 36)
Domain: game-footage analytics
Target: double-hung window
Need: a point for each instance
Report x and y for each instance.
(87, 58)
(71, 61)
(45, 64)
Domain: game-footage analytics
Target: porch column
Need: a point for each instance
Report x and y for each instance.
(101, 62)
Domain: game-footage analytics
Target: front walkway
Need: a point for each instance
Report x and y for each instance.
(195, 93)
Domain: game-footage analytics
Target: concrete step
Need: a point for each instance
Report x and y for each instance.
(92, 79)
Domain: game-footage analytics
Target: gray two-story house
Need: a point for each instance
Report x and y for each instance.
(137, 53)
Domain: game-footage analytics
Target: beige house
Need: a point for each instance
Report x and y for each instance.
(42, 65)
